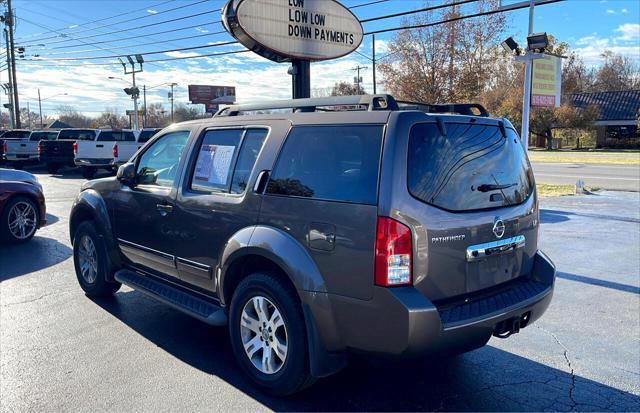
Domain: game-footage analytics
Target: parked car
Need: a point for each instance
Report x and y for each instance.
(22, 206)
(8, 136)
(398, 230)
(59, 152)
(110, 148)
(147, 133)
(19, 152)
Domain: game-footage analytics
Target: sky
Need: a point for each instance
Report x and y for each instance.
(48, 28)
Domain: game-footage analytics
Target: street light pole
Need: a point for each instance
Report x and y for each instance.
(172, 85)
(526, 100)
(144, 113)
(135, 103)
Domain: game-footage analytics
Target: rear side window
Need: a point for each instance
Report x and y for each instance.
(118, 136)
(335, 163)
(37, 136)
(226, 158)
(471, 167)
(145, 135)
(16, 134)
(77, 135)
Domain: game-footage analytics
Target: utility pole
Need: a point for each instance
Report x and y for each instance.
(526, 104)
(171, 99)
(40, 109)
(9, 86)
(29, 115)
(144, 99)
(9, 22)
(7, 90)
(373, 61)
(358, 78)
(133, 91)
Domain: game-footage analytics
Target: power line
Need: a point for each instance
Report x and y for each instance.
(127, 29)
(136, 45)
(60, 59)
(503, 9)
(146, 61)
(102, 19)
(368, 4)
(127, 20)
(137, 37)
(404, 13)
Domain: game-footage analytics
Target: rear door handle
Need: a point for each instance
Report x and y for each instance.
(164, 208)
(99, 146)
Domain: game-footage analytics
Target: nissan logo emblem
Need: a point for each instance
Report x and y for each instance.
(498, 228)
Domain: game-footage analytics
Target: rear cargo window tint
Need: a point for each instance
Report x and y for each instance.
(336, 163)
(80, 135)
(471, 167)
(118, 136)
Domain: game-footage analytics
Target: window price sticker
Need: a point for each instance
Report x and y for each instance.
(214, 164)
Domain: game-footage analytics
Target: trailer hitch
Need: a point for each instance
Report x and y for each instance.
(511, 325)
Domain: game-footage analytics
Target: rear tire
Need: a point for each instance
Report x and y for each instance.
(19, 220)
(262, 301)
(90, 262)
(52, 168)
(88, 172)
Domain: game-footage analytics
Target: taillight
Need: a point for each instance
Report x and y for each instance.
(115, 150)
(4, 147)
(75, 148)
(393, 253)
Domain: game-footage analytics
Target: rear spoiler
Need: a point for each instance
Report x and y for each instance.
(468, 109)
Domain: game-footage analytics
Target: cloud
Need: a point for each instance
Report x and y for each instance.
(592, 47)
(628, 32)
(152, 11)
(613, 12)
(201, 30)
(624, 11)
(609, 11)
(182, 54)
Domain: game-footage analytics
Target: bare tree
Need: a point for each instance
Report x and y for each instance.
(111, 119)
(346, 89)
(70, 116)
(616, 73)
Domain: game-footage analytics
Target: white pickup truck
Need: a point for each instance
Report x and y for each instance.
(25, 149)
(110, 149)
(106, 151)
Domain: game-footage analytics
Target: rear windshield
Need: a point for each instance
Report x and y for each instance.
(77, 134)
(145, 135)
(118, 136)
(47, 136)
(472, 167)
(16, 134)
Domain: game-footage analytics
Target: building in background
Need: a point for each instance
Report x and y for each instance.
(619, 112)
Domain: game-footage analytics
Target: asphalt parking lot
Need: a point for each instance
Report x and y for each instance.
(61, 351)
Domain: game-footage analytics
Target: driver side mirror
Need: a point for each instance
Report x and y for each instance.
(127, 174)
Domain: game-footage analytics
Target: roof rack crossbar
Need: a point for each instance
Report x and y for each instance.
(459, 108)
(372, 102)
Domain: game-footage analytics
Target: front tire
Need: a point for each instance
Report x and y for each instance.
(90, 262)
(19, 220)
(268, 334)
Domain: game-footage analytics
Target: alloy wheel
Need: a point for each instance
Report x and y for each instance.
(264, 335)
(88, 259)
(22, 220)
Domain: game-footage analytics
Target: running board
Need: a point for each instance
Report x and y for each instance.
(176, 298)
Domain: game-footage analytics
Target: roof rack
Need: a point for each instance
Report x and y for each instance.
(458, 108)
(371, 102)
(335, 103)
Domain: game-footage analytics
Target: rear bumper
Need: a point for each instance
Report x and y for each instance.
(94, 162)
(401, 321)
(57, 159)
(21, 157)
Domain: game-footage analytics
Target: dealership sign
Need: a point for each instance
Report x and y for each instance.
(546, 81)
(285, 30)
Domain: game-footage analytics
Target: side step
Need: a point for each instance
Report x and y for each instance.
(175, 297)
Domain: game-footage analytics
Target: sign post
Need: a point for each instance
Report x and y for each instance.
(296, 31)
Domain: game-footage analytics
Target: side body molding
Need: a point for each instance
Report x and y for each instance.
(89, 204)
(277, 246)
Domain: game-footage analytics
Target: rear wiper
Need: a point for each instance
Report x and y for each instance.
(490, 187)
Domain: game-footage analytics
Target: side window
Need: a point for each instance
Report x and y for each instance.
(158, 165)
(336, 163)
(251, 146)
(219, 152)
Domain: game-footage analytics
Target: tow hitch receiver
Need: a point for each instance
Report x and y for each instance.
(511, 325)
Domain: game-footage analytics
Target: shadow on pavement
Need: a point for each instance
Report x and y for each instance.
(600, 283)
(51, 219)
(485, 379)
(36, 254)
(553, 216)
